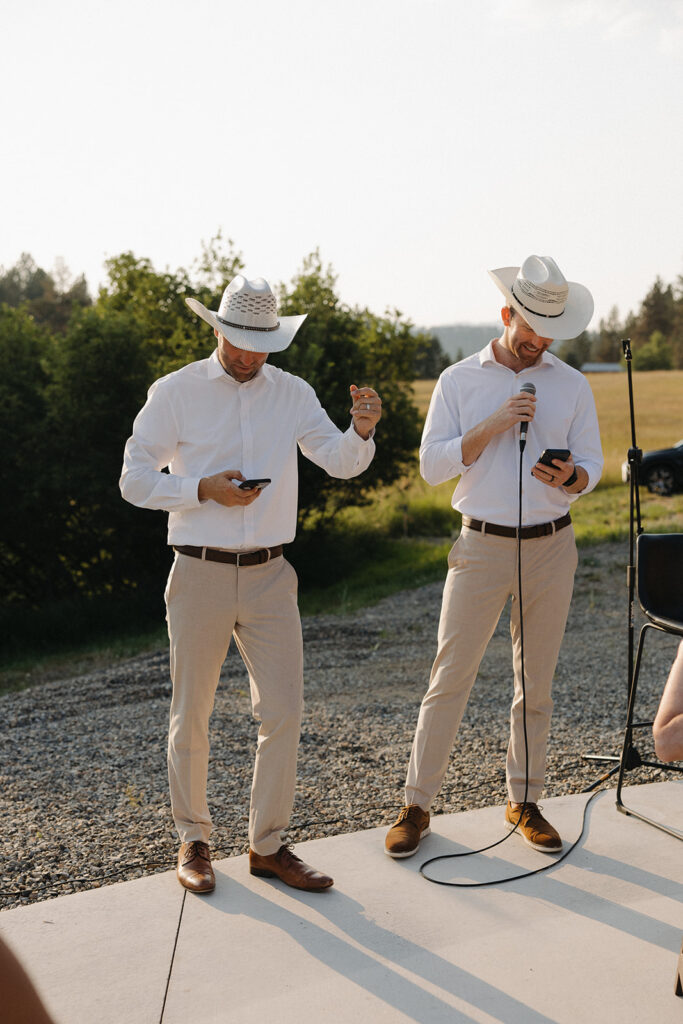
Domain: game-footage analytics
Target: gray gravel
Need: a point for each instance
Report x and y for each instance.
(83, 785)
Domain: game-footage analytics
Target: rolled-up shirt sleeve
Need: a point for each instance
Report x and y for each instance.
(583, 439)
(148, 451)
(342, 454)
(441, 446)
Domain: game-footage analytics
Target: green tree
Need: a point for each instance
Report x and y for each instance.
(430, 358)
(69, 400)
(656, 314)
(50, 299)
(30, 536)
(576, 351)
(677, 330)
(338, 346)
(99, 377)
(170, 333)
(607, 348)
(656, 354)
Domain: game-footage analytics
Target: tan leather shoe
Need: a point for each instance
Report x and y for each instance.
(403, 838)
(194, 869)
(290, 869)
(533, 828)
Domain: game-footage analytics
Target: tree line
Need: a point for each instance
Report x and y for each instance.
(655, 330)
(74, 371)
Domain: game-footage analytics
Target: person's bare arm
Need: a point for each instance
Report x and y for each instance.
(667, 728)
(517, 409)
(21, 1002)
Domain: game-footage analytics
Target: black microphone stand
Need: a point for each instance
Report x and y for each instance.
(635, 455)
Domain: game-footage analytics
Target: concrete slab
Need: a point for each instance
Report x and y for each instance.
(100, 956)
(595, 939)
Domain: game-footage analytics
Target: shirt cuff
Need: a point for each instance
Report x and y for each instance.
(188, 492)
(594, 473)
(361, 440)
(455, 455)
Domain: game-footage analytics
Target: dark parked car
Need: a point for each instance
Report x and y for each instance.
(661, 471)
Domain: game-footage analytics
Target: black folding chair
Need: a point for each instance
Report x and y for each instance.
(659, 586)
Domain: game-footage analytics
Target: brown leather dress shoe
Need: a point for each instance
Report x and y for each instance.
(533, 828)
(290, 869)
(194, 869)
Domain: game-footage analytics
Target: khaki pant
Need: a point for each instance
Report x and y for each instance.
(482, 575)
(206, 603)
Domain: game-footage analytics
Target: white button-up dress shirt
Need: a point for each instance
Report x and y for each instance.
(199, 421)
(565, 417)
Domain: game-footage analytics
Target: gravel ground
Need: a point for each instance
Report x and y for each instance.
(84, 798)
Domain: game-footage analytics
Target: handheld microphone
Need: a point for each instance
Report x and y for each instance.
(526, 389)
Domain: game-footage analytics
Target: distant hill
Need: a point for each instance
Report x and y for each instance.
(467, 338)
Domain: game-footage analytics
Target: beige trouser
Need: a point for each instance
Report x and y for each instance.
(482, 575)
(206, 603)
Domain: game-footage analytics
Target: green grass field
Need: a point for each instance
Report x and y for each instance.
(658, 402)
(603, 514)
(403, 537)
(417, 524)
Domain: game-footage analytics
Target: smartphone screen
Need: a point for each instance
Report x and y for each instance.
(554, 453)
(246, 485)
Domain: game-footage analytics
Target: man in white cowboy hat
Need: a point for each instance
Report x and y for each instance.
(473, 431)
(215, 424)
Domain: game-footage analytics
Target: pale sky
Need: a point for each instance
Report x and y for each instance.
(417, 143)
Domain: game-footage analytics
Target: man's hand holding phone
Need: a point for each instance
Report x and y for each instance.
(230, 488)
(554, 467)
(248, 485)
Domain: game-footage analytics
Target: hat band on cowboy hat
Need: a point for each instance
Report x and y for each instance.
(538, 312)
(540, 293)
(247, 317)
(246, 327)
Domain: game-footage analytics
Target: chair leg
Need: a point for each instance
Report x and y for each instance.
(678, 989)
(630, 758)
(626, 754)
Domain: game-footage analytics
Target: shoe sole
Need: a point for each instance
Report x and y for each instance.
(191, 888)
(534, 846)
(408, 853)
(265, 873)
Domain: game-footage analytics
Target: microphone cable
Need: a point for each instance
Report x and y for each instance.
(498, 842)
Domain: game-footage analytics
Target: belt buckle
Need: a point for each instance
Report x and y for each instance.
(237, 556)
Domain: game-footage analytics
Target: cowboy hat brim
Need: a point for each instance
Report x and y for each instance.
(250, 339)
(575, 318)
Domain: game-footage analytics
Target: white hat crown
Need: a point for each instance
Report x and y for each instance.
(248, 316)
(249, 305)
(551, 305)
(540, 286)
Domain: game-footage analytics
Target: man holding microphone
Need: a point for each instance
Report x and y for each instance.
(473, 431)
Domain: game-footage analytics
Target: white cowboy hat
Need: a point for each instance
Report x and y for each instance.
(554, 307)
(247, 317)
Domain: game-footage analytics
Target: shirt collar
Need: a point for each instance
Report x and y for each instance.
(487, 355)
(215, 370)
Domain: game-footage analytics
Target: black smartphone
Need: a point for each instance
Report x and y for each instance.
(549, 454)
(246, 485)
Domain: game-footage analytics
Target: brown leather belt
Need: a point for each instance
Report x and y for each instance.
(231, 557)
(541, 530)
